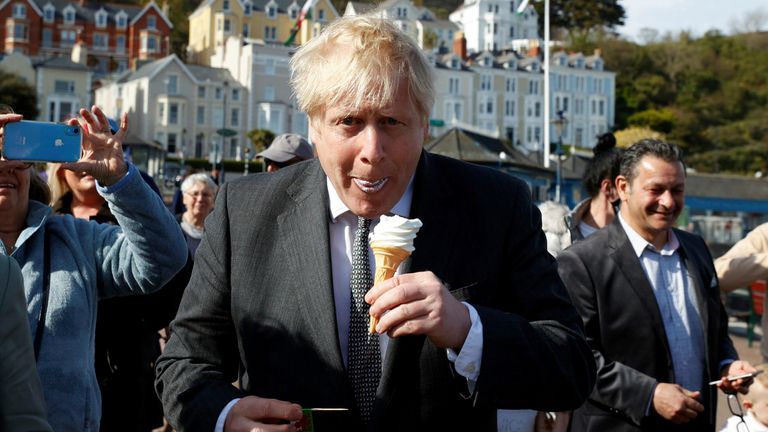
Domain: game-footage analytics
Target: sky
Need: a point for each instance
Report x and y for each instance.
(695, 15)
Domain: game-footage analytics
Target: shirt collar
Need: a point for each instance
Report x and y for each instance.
(639, 244)
(338, 208)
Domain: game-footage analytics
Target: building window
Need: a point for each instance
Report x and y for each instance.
(172, 84)
(489, 106)
(64, 87)
(225, 5)
(19, 10)
(68, 37)
(200, 92)
(234, 118)
(122, 20)
(49, 13)
(294, 13)
(247, 8)
(537, 109)
(217, 93)
(227, 25)
(509, 108)
(485, 82)
(269, 66)
(20, 31)
(101, 19)
(120, 44)
(47, 38)
(271, 12)
(235, 94)
(173, 113)
(321, 15)
(270, 33)
(100, 41)
(148, 43)
(246, 30)
(152, 22)
(161, 112)
(602, 107)
(60, 111)
(199, 140)
(200, 115)
(269, 93)
(453, 86)
(69, 15)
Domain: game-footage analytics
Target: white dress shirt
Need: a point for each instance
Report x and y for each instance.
(342, 225)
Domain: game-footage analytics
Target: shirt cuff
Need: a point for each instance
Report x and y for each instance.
(223, 416)
(467, 361)
(120, 184)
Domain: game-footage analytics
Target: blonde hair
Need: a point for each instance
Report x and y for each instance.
(359, 60)
(57, 185)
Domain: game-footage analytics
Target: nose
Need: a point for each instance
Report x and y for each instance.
(667, 200)
(372, 146)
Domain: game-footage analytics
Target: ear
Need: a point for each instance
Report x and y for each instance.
(747, 404)
(622, 187)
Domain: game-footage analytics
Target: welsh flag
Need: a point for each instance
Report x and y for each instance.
(303, 14)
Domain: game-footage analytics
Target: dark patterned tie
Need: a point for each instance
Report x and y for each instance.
(364, 353)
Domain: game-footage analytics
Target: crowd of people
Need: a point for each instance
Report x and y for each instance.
(242, 309)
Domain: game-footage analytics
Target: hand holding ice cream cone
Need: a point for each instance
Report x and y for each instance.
(392, 243)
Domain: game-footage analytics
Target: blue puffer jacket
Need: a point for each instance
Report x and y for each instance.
(90, 261)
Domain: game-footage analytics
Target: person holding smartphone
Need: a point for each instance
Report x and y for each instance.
(70, 264)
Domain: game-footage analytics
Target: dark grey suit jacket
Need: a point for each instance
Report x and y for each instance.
(625, 330)
(261, 298)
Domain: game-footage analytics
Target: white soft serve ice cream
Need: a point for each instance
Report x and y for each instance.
(395, 231)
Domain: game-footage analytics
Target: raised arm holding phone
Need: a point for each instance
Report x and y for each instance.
(69, 264)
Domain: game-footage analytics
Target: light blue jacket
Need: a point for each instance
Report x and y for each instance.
(90, 261)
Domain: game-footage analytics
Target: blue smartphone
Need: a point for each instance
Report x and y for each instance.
(35, 141)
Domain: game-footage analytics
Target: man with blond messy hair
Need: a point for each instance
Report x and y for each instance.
(475, 320)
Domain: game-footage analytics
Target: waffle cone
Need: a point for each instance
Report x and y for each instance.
(388, 259)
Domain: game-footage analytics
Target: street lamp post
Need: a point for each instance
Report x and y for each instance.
(560, 122)
(520, 10)
(247, 151)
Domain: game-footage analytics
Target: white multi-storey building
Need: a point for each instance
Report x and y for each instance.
(580, 88)
(492, 25)
(419, 22)
(181, 107)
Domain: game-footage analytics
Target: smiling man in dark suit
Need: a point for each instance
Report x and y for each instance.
(649, 299)
(477, 320)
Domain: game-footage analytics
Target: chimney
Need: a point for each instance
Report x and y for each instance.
(534, 51)
(164, 8)
(460, 45)
(80, 50)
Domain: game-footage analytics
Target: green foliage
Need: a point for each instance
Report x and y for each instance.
(261, 138)
(707, 94)
(659, 120)
(582, 19)
(17, 93)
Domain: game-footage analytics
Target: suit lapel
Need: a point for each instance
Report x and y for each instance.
(433, 250)
(629, 265)
(304, 226)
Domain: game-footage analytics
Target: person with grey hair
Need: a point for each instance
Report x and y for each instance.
(649, 299)
(199, 193)
(278, 300)
(285, 150)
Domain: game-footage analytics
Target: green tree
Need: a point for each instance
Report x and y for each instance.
(659, 120)
(261, 138)
(17, 93)
(583, 18)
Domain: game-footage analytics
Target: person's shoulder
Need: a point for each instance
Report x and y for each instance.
(689, 239)
(595, 244)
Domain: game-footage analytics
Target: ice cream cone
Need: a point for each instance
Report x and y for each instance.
(388, 259)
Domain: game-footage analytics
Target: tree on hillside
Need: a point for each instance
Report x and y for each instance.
(583, 18)
(14, 91)
(261, 138)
